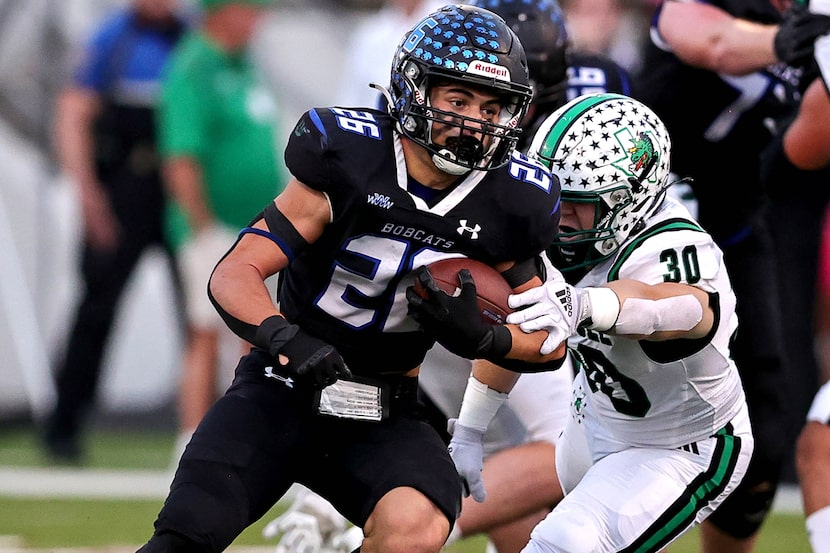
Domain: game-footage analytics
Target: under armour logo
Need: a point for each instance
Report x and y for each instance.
(464, 228)
(269, 373)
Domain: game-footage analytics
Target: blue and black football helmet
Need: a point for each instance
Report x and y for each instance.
(540, 26)
(470, 45)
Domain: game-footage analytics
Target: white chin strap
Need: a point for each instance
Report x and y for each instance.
(448, 166)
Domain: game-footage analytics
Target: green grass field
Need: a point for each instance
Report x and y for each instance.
(50, 523)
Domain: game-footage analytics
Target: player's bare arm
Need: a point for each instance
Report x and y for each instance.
(720, 41)
(237, 283)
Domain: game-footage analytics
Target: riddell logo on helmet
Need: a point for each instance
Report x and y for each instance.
(488, 69)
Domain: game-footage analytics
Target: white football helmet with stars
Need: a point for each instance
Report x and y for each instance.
(610, 150)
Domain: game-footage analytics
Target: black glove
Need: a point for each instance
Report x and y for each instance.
(455, 321)
(797, 33)
(310, 358)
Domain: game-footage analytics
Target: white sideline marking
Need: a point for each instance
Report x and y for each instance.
(82, 483)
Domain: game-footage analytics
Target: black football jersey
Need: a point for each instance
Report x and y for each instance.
(718, 123)
(348, 287)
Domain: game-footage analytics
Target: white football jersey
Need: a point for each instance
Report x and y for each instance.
(661, 394)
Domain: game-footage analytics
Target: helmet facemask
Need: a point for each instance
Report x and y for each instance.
(584, 247)
(478, 141)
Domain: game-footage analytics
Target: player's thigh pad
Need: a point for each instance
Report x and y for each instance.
(242, 458)
(642, 499)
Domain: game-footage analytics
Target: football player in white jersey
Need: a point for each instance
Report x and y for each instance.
(658, 434)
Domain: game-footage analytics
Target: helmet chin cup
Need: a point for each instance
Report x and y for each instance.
(466, 147)
(450, 167)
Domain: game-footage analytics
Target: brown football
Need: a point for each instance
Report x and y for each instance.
(491, 288)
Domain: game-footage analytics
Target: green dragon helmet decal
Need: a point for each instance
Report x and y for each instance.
(610, 150)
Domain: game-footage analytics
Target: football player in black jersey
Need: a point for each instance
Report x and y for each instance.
(328, 395)
(717, 74)
(528, 424)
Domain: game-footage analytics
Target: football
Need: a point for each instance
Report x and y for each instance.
(491, 288)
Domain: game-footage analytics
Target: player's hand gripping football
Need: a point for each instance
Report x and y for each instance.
(455, 321)
(309, 358)
(468, 455)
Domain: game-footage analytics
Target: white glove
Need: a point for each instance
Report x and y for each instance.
(468, 455)
(561, 309)
(347, 541)
(308, 524)
(301, 533)
(555, 306)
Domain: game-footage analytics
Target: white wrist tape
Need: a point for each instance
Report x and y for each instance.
(603, 307)
(644, 317)
(479, 405)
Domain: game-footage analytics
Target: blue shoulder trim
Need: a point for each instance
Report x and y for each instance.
(315, 118)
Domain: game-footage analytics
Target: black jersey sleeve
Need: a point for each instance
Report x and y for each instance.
(307, 152)
(333, 149)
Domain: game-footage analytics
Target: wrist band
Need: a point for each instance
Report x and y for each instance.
(603, 308)
(273, 333)
(496, 344)
(479, 405)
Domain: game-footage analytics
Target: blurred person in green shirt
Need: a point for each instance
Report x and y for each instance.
(217, 124)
